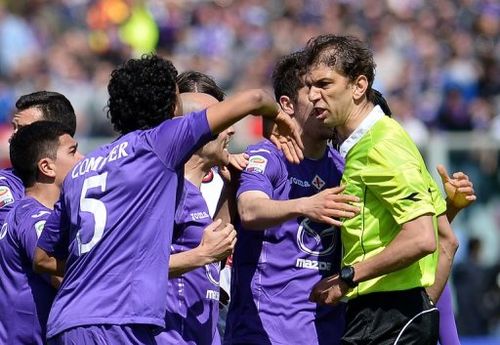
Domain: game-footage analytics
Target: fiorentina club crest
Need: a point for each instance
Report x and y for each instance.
(318, 182)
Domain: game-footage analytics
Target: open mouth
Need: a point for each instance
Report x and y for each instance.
(319, 113)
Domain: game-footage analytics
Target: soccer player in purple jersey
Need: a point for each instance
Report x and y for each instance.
(41, 153)
(288, 238)
(41, 105)
(112, 227)
(197, 247)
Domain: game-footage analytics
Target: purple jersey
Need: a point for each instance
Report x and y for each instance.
(11, 189)
(26, 296)
(274, 270)
(113, 225)
(193, 298)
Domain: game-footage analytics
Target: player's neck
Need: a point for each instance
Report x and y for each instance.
(45, 193)
(358, 114)
(313, 148)
(195, 170)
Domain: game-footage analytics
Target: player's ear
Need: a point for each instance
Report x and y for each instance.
(359, 87)
(287, 105)
(47, 167)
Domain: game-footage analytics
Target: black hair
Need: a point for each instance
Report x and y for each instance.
(287, 75)
(53, 106)
(193, 81)
(348, 55)
(378, 99)
(142, 93)
(32, 143)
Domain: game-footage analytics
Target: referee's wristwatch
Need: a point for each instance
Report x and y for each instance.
(347, 276)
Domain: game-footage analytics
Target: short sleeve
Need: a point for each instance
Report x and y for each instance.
(437, 197)
(262, 172)
(54, 238)
(395, 177)
(7, 199)
(32, 228)
(175, 140)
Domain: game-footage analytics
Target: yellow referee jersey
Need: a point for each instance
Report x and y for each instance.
(386, 171)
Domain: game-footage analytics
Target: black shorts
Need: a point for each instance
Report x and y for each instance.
(390, 318)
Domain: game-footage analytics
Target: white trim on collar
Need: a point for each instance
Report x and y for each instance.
(374, 115)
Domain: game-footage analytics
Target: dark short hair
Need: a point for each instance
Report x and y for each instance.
(32, 143)
(193, 81)
(142, 93)
(53, 106)
(287, 75)
(348, 55)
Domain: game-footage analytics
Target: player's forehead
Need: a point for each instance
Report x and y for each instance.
(66, 141)
(320, 72)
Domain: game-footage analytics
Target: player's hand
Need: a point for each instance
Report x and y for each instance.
(285, 135)
(218, 241)
(329, 290)
(459, 189)
(238, 161)
(329, 204)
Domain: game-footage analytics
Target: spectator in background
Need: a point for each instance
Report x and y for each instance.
(469, 278)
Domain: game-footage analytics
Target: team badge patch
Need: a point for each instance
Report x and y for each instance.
(6, 197)
(39, 227)
(318, 182)
(256, 164)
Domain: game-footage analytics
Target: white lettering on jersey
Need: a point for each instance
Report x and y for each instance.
(199, 215)
(294, 180)
(95, 163)
(313, 264)
(212, 294)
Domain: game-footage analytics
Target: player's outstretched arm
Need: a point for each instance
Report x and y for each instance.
(286, 135)
(459, 191)
(258, 212)
(43, 262)
(216, 244)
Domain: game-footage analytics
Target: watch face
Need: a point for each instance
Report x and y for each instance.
(347, 275)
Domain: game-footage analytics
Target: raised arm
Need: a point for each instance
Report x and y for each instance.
(285, 136)
(258, 212)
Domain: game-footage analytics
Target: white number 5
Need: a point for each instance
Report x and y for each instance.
(94, 206)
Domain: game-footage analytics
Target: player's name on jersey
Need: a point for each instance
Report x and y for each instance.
(313, 264)
(96, 163)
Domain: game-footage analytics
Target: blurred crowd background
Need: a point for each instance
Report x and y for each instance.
(438, 64)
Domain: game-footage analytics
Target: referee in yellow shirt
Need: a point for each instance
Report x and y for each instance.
(390, 248)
